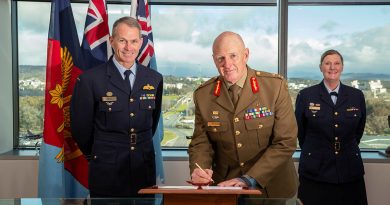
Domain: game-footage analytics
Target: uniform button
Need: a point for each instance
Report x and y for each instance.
(150, 107)
(336, 138)
(131, 114)
(132, 148)
(238, 132)
(239, 145)
(309, 153)
(336, 125)
(94, 157)
(109, 109)
(354, 115)
(260, 126)
(214, 129)
(132, 130)
(242, 164)
(336, 113)
(336, 152)
(236, 119)
(314, 115)
(131, 100)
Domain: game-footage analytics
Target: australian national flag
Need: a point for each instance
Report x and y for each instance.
(63, 170)
(140, 11)
(96, 46)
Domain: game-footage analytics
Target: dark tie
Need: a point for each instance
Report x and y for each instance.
(334, 93)
(335, 96)
(127, 79)
(234, 91)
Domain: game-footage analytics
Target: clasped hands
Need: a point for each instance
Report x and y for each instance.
(205, 176)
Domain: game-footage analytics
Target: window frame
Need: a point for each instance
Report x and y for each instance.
(283, 6)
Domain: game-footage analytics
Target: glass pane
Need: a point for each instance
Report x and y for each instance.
(361, 35)
(33, 26)
(183, 36)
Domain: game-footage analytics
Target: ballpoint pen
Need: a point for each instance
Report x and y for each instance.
(203, 170)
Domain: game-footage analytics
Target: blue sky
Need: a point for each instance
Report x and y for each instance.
(184, 34)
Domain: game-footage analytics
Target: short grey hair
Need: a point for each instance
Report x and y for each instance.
(129, 21)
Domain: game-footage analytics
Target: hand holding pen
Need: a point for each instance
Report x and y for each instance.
(200, 175)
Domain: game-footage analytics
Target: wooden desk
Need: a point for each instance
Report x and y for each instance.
(187, 195)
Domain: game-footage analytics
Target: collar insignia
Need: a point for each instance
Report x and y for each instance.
(254, 85)
(217, 89)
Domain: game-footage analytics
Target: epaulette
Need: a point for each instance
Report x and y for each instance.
(272, 75)
(211, 80)
(266, 74)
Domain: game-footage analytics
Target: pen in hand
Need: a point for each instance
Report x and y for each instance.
(203, 170)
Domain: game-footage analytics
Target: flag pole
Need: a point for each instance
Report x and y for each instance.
(133, 11)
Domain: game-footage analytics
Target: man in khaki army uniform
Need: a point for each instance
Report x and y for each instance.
(245, 129)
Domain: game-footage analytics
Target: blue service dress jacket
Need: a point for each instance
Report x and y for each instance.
(115, 127)
(329, 134)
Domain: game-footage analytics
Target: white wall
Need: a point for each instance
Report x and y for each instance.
(6, 116)
(19, 178)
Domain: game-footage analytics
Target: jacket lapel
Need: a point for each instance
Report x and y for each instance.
(115, 77)
(324, 95)
(140, 79)
(247, 97)
(224, 98)
(342, 97)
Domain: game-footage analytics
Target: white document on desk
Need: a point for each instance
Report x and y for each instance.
(203, 187)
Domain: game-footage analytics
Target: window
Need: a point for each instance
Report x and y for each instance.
(361, 35)
(183, 36)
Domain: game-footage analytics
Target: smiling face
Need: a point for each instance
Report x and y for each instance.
(331, 68)
(230, 56)
(126, 42)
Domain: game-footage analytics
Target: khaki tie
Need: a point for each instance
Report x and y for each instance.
(234, 91)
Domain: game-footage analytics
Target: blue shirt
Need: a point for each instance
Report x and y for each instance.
(122, 70)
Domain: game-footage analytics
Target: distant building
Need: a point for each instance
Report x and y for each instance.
(197, 78)
(177, 85)
(355, 84)
(377, 88)
(295, 86)
(32, 83)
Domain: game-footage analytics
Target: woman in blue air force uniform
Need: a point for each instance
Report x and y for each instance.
(331, 118)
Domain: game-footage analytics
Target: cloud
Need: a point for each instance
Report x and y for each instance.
(33, 16)
(32, 48)
(329, 26)
(365, 51)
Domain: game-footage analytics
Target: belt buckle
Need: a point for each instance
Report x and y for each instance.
(133, 138)
(337, 146)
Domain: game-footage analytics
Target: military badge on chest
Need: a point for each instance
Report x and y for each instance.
(314, 108)
(109, 99)
(147, 95)
(257, 112)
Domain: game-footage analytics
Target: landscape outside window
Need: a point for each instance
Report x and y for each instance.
(183, 37)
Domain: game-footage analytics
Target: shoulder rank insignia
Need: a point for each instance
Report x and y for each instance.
(148, 87)
(217, 89)
(254, 85)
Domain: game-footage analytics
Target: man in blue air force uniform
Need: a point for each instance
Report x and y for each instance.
(114, 115)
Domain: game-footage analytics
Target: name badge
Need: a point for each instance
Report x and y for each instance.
(109, 99)
(213, 124)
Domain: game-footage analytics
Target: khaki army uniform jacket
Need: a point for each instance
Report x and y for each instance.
(257, 138)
